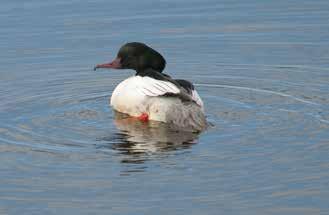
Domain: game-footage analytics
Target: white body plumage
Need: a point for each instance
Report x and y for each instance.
(144, 95)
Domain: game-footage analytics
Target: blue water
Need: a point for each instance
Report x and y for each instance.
(262, 69)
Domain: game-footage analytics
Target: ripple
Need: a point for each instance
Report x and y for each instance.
(258, 90)
(72, 115)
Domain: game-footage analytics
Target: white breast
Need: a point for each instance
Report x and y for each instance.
(132, 95)
(137, 95)
(127, 98)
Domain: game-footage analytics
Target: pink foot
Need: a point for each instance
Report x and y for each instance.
(144, 117)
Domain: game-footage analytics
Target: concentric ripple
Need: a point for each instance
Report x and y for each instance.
(72, 115)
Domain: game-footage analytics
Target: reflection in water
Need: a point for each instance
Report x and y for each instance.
(139, 140)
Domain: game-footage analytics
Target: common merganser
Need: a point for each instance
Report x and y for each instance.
(153, 95)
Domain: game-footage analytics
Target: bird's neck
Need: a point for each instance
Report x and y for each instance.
(145, 72)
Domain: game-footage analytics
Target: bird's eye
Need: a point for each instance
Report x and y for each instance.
(126, 61)
(123, 59)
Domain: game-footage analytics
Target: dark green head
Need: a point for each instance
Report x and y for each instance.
(136, 56)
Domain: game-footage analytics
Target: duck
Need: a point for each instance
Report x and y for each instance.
(153, 95)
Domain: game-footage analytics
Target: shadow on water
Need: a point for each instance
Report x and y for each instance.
(138, 141)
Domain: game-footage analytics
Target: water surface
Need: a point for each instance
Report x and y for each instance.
(262, 71)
